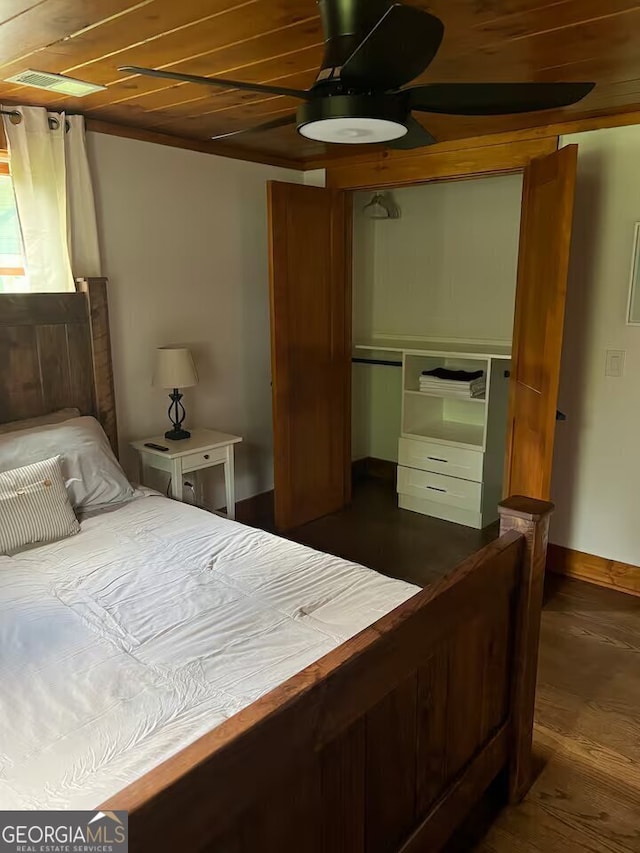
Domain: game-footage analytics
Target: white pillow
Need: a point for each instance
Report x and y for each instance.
(34, 507)
(42, 420)
(92, 474)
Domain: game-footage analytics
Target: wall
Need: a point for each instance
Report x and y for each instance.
(184, 244)
(376, 408)
(446, 269)
(315, 178)
(596, 473)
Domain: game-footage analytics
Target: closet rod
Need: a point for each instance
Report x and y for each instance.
(383, 361)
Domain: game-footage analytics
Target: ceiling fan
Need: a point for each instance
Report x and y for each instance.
(372, 49)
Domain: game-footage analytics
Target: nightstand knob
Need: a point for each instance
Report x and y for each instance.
(206, 455)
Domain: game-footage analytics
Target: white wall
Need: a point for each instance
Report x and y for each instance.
(596, 475)
(376, 408)
(184, 244)
(446, 268)
(315, 177)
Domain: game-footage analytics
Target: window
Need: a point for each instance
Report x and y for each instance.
(13, 277)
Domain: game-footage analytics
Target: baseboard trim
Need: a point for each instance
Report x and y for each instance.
(369, 466)
(597, 570)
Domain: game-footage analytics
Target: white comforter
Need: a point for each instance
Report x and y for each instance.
(123, 644)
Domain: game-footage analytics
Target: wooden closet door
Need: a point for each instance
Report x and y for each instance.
(545, 238)
(310, 286)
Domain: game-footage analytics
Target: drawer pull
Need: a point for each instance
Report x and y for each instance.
(206, 455)
(437, 459)
(436, 489)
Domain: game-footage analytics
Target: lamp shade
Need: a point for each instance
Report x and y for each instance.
(174, 368)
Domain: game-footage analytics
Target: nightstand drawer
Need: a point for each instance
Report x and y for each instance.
(441, 459)
(203, 459)
(463, 494)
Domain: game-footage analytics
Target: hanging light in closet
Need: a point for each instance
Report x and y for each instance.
(382, 206)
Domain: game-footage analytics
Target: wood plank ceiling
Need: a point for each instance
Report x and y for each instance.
(281, 40)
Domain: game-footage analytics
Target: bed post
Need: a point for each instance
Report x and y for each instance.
(95, 290)
(531, 518)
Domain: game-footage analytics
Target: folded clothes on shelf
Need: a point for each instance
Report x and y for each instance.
(444, 383)
(454, 375)
(453, 383)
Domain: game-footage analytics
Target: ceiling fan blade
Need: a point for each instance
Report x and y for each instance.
(398, 49)
(416, 137)
(283, 121)
(485, 99)
(216, 81)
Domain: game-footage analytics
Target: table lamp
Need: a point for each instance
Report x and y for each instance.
(175, 369)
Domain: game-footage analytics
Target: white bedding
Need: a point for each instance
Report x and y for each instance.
(123, 644)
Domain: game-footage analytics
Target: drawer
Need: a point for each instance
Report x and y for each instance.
(453, 491)
(441, 459)
(203, 459)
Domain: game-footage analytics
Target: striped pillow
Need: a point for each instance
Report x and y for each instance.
(34, 506)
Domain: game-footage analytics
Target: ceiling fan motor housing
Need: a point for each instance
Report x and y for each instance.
(389, 107)
(345, 23)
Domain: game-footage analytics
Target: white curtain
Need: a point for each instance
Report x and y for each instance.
(54, 197)
(81, 208)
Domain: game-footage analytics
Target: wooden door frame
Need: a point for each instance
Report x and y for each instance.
(536, 351)
(440, 162)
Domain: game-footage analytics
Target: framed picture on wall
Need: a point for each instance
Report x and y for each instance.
(633, 308)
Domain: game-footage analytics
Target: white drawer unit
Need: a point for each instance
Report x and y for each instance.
(449, 498)
(451, 491)
(441, 459)
(203, 459)
(451, 445)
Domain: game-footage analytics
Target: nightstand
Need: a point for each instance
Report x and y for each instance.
(204, 449)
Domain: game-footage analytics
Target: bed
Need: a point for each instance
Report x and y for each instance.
(156, 623)
(238, 691)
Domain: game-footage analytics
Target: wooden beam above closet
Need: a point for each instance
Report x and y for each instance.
(439, 162)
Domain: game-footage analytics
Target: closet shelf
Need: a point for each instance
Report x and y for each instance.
(444, 395)
(470, 436)
(460, 349)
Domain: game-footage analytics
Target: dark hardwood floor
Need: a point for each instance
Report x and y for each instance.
(587, 729)
(586, 798)
(396, 542)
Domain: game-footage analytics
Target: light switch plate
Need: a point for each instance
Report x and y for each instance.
(615, 362)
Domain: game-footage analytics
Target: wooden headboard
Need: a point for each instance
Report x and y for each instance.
(55, 352)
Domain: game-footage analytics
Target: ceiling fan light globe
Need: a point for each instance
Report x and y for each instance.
(353, 119)
(353, 130)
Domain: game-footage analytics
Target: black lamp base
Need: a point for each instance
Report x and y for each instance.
(177, 434)
(176, 416)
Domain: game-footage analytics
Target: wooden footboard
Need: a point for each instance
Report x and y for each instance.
(385, 743)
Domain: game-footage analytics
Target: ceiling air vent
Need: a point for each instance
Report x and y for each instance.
(55, 83)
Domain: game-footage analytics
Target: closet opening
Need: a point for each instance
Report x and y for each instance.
(449, 274)
(434, 286)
